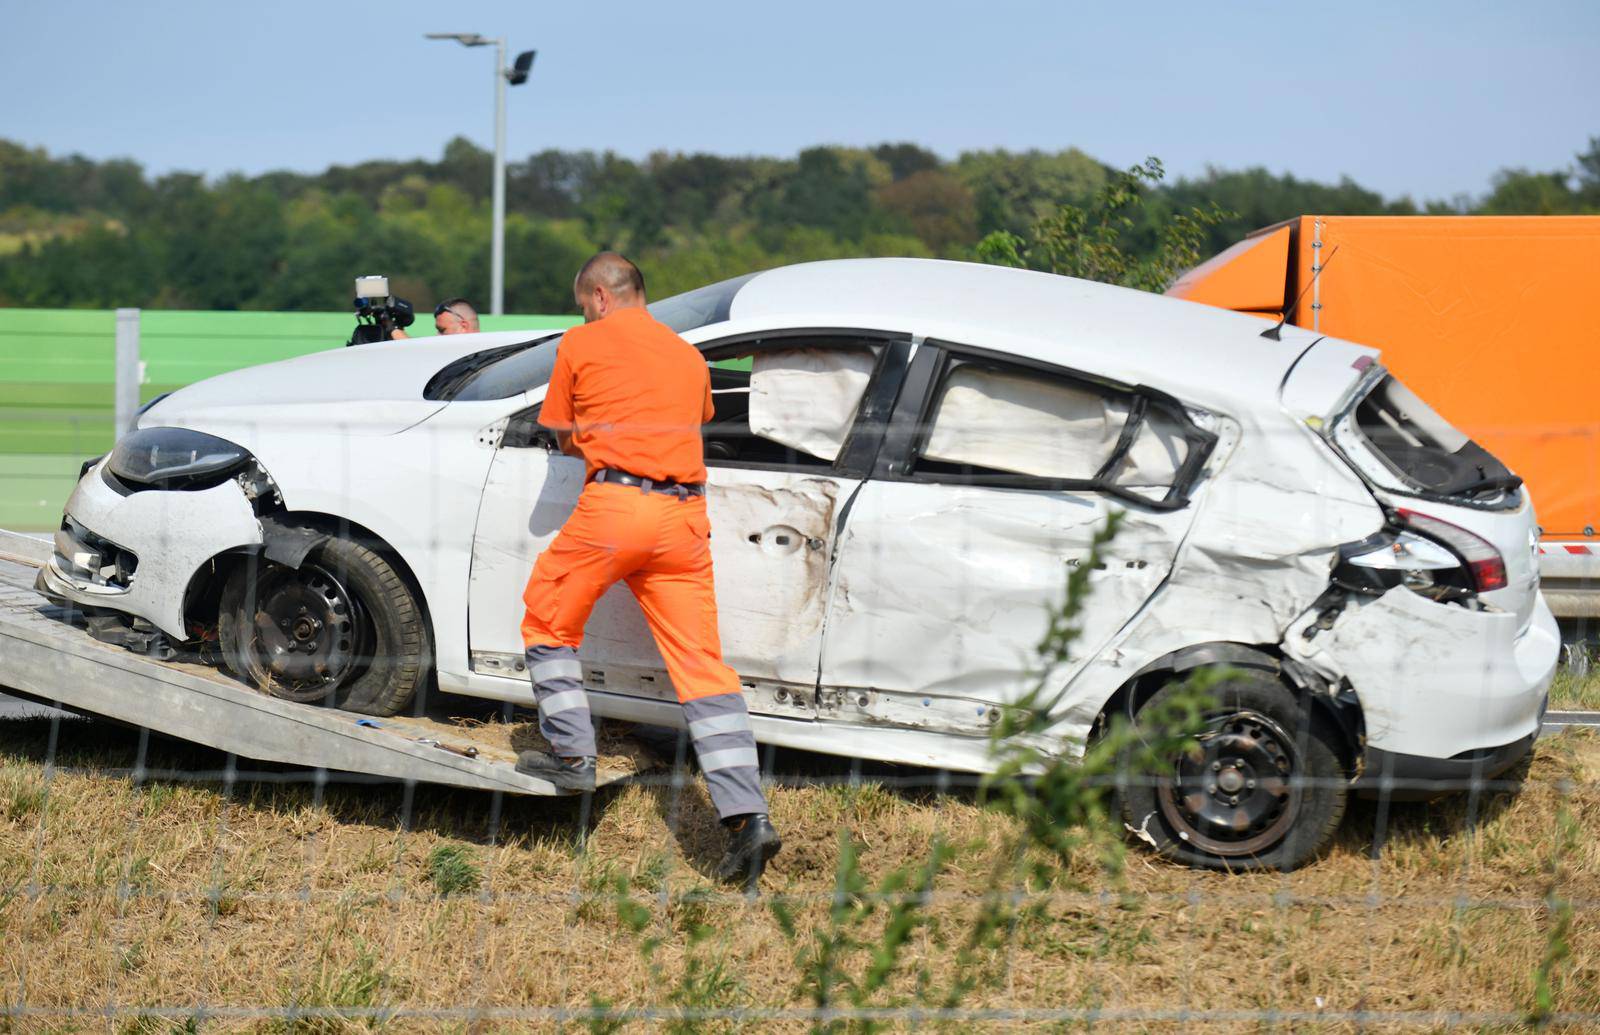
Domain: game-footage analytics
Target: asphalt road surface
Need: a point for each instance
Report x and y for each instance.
(1556, 721)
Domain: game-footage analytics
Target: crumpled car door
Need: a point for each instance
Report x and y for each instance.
(988, 494)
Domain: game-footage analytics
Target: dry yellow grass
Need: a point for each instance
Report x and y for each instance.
(174, 896)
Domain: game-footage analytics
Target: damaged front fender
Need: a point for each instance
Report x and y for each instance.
(171, 534)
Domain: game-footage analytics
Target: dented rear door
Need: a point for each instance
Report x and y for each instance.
(955, 553)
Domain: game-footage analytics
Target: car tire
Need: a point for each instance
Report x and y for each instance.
(1266, 763)
(342, 629)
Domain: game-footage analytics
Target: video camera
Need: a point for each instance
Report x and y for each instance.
(378, 313)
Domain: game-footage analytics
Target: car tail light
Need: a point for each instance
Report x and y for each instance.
(1488, 568)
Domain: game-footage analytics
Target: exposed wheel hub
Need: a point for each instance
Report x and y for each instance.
(305, 632)
(1233, 794)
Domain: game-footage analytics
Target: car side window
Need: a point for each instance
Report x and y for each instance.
(993, 419)
(994, 423)
(788, 404)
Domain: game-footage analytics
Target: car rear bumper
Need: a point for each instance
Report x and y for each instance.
(1402, 777)
(1438, 681)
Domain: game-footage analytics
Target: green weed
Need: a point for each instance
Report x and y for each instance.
(1569, 690)
(452, 871)
(22, 794)
(1558, 944)
(356, 986)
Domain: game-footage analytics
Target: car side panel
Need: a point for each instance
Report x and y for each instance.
(944, 593)
(418, 491)
(1272, 511)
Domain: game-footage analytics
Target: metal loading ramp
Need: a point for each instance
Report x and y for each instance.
(42, 654)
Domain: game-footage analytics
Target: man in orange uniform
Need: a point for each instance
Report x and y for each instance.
(628, 396)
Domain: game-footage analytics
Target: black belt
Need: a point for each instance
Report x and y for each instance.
(666, 485)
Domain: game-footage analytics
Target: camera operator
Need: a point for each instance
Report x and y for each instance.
(452, 316)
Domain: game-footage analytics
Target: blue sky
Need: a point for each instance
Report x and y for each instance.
(1424, 98)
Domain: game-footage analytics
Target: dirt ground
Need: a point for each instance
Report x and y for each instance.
(271, 903)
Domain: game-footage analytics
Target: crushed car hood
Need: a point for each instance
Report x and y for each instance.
(366, 389)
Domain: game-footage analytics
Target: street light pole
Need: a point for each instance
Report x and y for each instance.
(515, 76)
(497, 251)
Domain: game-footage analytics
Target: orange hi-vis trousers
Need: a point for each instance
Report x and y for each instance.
(660, 544)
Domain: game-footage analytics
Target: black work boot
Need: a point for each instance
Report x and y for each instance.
(571, 774)
(752, 840)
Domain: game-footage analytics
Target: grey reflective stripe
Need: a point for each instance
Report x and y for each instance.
(732, 758)
(737, 722)
(565, 701)
(556, 668)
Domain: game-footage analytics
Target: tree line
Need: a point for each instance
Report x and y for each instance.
(75, 232)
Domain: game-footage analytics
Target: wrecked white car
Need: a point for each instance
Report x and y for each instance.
(908, 458)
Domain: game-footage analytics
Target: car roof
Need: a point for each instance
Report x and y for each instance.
(1191, 350)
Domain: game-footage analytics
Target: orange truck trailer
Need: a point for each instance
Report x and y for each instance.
(1494, 320)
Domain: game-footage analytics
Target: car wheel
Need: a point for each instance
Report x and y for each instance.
(343, 629)
(1261, 787)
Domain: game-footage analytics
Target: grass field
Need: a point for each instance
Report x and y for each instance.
(265, 896)
(1576, 692)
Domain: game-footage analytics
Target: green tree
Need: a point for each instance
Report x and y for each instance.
(1254, 198)
(1589, 176)
(829, 190)
(1092, 241)
(935, 206)
(1013, 191)
(1523, 193)
(78, 232)
(907, 159)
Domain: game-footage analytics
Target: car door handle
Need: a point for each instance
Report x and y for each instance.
(782, 539)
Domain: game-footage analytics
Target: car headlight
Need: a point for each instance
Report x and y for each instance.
(175, 458)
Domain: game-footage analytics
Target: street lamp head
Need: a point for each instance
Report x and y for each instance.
(517, 74)
(466, 39)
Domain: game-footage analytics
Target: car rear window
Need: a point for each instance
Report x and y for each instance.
(1422, 448)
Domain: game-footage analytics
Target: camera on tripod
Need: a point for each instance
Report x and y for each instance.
(378, 313)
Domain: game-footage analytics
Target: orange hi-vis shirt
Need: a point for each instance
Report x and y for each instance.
(634, 395)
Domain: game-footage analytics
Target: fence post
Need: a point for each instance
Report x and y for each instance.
(128, 370)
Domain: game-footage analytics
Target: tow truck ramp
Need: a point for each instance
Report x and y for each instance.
(44, 655)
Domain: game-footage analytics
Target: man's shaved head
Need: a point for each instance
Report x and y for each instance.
(613, 272)
(607, 282)
(455, 316)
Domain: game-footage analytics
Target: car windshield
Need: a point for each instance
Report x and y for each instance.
(700, 307)
(496, 373)
(502, 372)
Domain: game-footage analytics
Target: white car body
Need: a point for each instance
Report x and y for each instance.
(879, 612)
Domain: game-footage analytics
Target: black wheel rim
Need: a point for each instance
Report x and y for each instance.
(307, 635)
(1234, 793)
